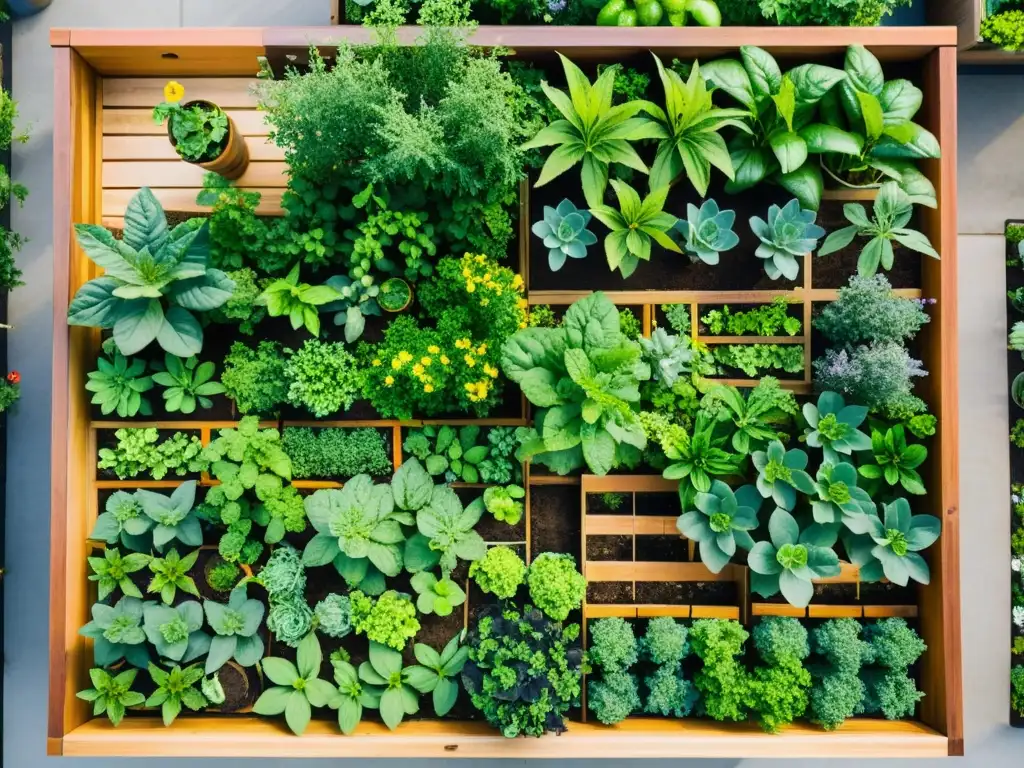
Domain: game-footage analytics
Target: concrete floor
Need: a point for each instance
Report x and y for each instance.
(991, 174)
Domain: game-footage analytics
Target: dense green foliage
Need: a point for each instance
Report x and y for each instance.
(336, 453)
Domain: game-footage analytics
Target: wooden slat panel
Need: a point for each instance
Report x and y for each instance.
(715, 612)
(177, 173)
(146, 92)
(885, 611)
(159, 148)
(183, 199)
(609, 570)
(656, 525)
(777, 609)
(135, 122)
(848, 574)
(608, 610)
(196, 51)
(608, 525)
(628, 483)
(834, 611)
(627, 298)
(750, 339)
(651, 611)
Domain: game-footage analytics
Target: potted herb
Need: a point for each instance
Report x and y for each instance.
(202, 133)
(395, 295)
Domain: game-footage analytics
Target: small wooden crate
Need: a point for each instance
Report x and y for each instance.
(105, 146)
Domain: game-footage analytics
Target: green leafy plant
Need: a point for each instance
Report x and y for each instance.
(173, 516)
(112, 571)
(694, 459)
(437, 673)
(112, 694)
(790, 560)
(440, 596)
(199, 129)
(839, 500)
(222, 576)
(176, 688)
(154, 279)
(1005, 29)
(888, 688)
(891, 545)
(633, 226)
(176, 633)
(548, 659)
(765, 320)
(781, 473)
(237, 626)
(665, 642)
(389, 620)
(187, 382)
(248, 458)
(500, 572)
(583, 377)
(892, 212)
(721, 523)
(454, 453)
(170, 573)
(895, 461)
(723, 681)
(689, 131)
(255, 378)
(297, 687)
(789, 234)
(752, 359)
(330, 452)
(352, 696)
(118, 384)
(556, 586)
(678, 317)
(140, 450)
(591, 130)
(299, 302)
(241, 309)
(779, 691)
(504, 503)
(878, 375)
(564, 232)
(759, 417)
(358, 301)
(867, 310)
(445, 533)
(837, 690)
(612, 645)
(707, 231)
(395, 294)
(669, 693)
(323, 378)
(669, 356)
(116, 632)
(614, 697)
(832, 426)
(333, 616)
(400, 689)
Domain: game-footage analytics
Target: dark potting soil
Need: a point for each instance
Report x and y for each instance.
(687, 592)
(658, 504)
(609, 504)
(498, 531)
(555, 520)
(618, 592)
(241, 687)
(618, 548)
(662, 549)
(208, 559)
(887, 593)
(835, 269)
(739, 269)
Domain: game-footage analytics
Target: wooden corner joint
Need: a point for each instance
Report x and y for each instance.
(60, 38)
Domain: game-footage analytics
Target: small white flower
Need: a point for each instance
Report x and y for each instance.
(1015, 564)
(1018, 616)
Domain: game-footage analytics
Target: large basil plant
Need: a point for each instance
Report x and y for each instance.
(584, 378)
(154, 279)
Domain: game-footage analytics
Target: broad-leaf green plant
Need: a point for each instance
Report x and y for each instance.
(791, 560)
(781, 474)
(789, 234)
(634, 225)
(839, 500)
(299, 302)
(113, 571)
(176, 633)
(112, 694)
(438, 596)
(154, 279)
(118, 384)
(669, 356)
(757, 416)
(188, 383)
(721, 523)
(695, 459)
(892, 212)
(358, 301)
(707, 231)
(591, 131)
(173, 516)
(895, 461)
(445, 533)
(891, 545)
(401, 688)
(170, 573)
(437, 673)
(176, 687)
(564, 232)
(504, 502)
(352, 696)
(832, 425)
(297, 688)
(237, 628)
(116, 632)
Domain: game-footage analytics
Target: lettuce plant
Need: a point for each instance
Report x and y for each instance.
(500, 572)
(633, 226)
(688, 128)
(789, 234)
(173, 516)
(721, 523)
(118, 384)
(584, 379)
(504, 503)
(154, 278)
(892, 212)
(556, 587)
(299, 302)
(615, 696)
(176, 633)
(445, 533)
(389, 620)
(892, 543)
(116, 632)
(112, 694)
(781, 473)
(439, 596)
(707, 231)
(237, 627)
(175, 687)
(297, 688)
(454, 453)
(832, 426)
(791, 560)
(591, 130)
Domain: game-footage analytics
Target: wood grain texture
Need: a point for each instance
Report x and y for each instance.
(157, 147)
(173, 52)
(130, 175)
(145, 92)
(139, 122)
(634, 738)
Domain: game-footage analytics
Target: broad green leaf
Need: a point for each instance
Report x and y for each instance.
(138, 324)
(765, 75)
(145, 225)
(790, 150)
(179, 333)
(202, 294)
(95, 305)
(871, 111)
(812, 81)
(863, 70)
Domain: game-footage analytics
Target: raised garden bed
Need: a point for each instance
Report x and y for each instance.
(1015, 377)
(106, 148)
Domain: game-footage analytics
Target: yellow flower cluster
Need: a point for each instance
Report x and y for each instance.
(478, 390)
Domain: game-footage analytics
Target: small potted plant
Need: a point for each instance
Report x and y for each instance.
(202, 133)
(395, 295)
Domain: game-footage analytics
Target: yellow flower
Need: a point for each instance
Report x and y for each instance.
(462, 343)
(428, 387)
(433, 349)
(396, 363)
(426, 361)
(389, 380)
(470, 360)
(490, 370)
(376, 363)
(522, 303)
(522, 325)
(466, 272)
(484, 302)
(517, 281)
(417, 370)
(482, 349)
(173, 92)
(487, 276)
(470, 286)
(404, 356)
(481, 258)
(445, 360)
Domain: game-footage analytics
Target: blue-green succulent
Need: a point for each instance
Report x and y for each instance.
(707, 231)
(565, 234)
(789, 234)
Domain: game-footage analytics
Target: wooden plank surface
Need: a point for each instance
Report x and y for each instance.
(122, 174)
(611, 570)
(145, 92)
(183, 199)
(139, 122)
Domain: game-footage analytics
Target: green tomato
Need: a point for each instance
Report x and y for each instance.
(649, 13)
(609, 14)
(627, 18)
(705, 12)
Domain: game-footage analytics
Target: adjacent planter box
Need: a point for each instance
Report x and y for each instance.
(1014, 368)
(966, 16)
(105, 147)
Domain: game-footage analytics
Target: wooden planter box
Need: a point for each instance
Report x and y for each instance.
(966, 16)
(105, 147)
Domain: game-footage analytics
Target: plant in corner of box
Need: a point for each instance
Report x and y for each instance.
(201, 133)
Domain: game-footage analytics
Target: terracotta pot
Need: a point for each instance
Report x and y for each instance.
(232, 162)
